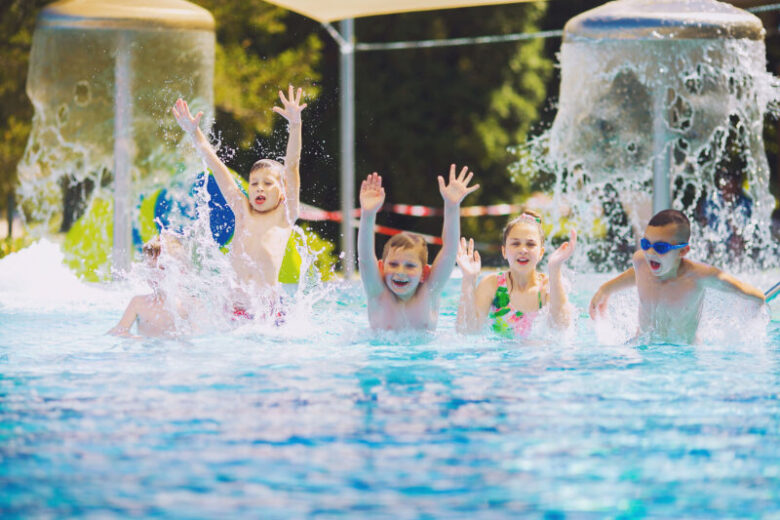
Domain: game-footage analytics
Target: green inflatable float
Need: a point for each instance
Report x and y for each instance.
(89, 241)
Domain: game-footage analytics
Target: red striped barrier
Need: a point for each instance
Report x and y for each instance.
(313, 213)
(384, 230)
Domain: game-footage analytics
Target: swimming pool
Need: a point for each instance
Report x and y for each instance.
(323, 419)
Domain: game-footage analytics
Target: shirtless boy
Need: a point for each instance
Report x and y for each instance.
(671, 287)
(403, 292)
(265, 219)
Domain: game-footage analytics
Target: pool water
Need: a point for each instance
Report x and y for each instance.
(324, 419)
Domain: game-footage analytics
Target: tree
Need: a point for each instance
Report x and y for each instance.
(17, 22)
(420, 110)
(261, 49)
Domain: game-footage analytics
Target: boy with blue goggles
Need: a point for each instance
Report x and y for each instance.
(670, 286)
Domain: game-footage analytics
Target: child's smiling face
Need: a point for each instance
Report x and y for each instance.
(662, 265)
(402, 271)
(265, 190)
(523, 246)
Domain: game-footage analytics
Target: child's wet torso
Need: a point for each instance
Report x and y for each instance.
(388, 312)
(669, 309)
(256, 255)
(155, 317)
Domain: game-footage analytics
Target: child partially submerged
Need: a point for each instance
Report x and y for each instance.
(670, 286)
(155, 314)
(403, 292)
(264, 219)
(511, 299)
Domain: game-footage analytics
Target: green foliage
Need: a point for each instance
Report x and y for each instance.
(256, 56)
(10, 245)
(17, 21)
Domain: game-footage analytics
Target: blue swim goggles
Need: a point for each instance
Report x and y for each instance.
(661, 247)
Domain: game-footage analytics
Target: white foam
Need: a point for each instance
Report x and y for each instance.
(36, 278)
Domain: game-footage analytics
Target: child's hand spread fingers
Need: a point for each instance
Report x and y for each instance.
(372, 194)
(458, 186)
(181, 112)
(292, 105)
(565, 250)
(468, 258)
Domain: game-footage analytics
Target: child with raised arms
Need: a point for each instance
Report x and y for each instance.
(511, 300)
(403, 292)
(264, 220)
(670, 286)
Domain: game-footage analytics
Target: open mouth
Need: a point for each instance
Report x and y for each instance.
(400, 283)
(259, 200)
(523, 261)
(655, 265)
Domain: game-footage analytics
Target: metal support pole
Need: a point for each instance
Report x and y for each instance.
(661, 156)
(11, 211)
(122, 155)
(347, 146)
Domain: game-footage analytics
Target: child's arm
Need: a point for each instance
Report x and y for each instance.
(559, 302)
(453, 194)
(474, 300)
(128, 318)
(227, 186)
(372, 196)
(292, 181)
(717, 279)
(598, 304)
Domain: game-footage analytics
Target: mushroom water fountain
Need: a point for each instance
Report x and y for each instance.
(103, 75)
(662, 103)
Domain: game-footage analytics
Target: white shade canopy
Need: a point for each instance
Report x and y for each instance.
(331, 10)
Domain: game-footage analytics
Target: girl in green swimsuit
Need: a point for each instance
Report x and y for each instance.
(512, 299)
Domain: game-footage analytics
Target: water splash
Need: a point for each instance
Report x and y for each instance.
(67, 172)
(706, 100)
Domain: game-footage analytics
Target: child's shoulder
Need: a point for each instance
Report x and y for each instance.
(492, 280)
(698, 269)
(144, 301)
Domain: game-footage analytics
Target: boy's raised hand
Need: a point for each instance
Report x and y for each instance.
(182, 114)
(564, 252)
(468, 258)
(292, 105)
(372, 194)
(458, 188)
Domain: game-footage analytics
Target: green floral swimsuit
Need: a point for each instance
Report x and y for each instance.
(507, 321)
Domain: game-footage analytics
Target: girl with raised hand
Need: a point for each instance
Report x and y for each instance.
(511, 300)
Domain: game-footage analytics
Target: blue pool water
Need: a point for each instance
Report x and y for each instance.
(324, 419)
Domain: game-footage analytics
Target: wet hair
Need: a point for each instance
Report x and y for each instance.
(152, 248)
(406, 240)
(268, 164)
(672, 216)
(528, 215)
(167, 240)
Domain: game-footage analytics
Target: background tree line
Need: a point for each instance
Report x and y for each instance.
(417, 110)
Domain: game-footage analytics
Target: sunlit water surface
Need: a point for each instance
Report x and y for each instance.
(322, 418)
